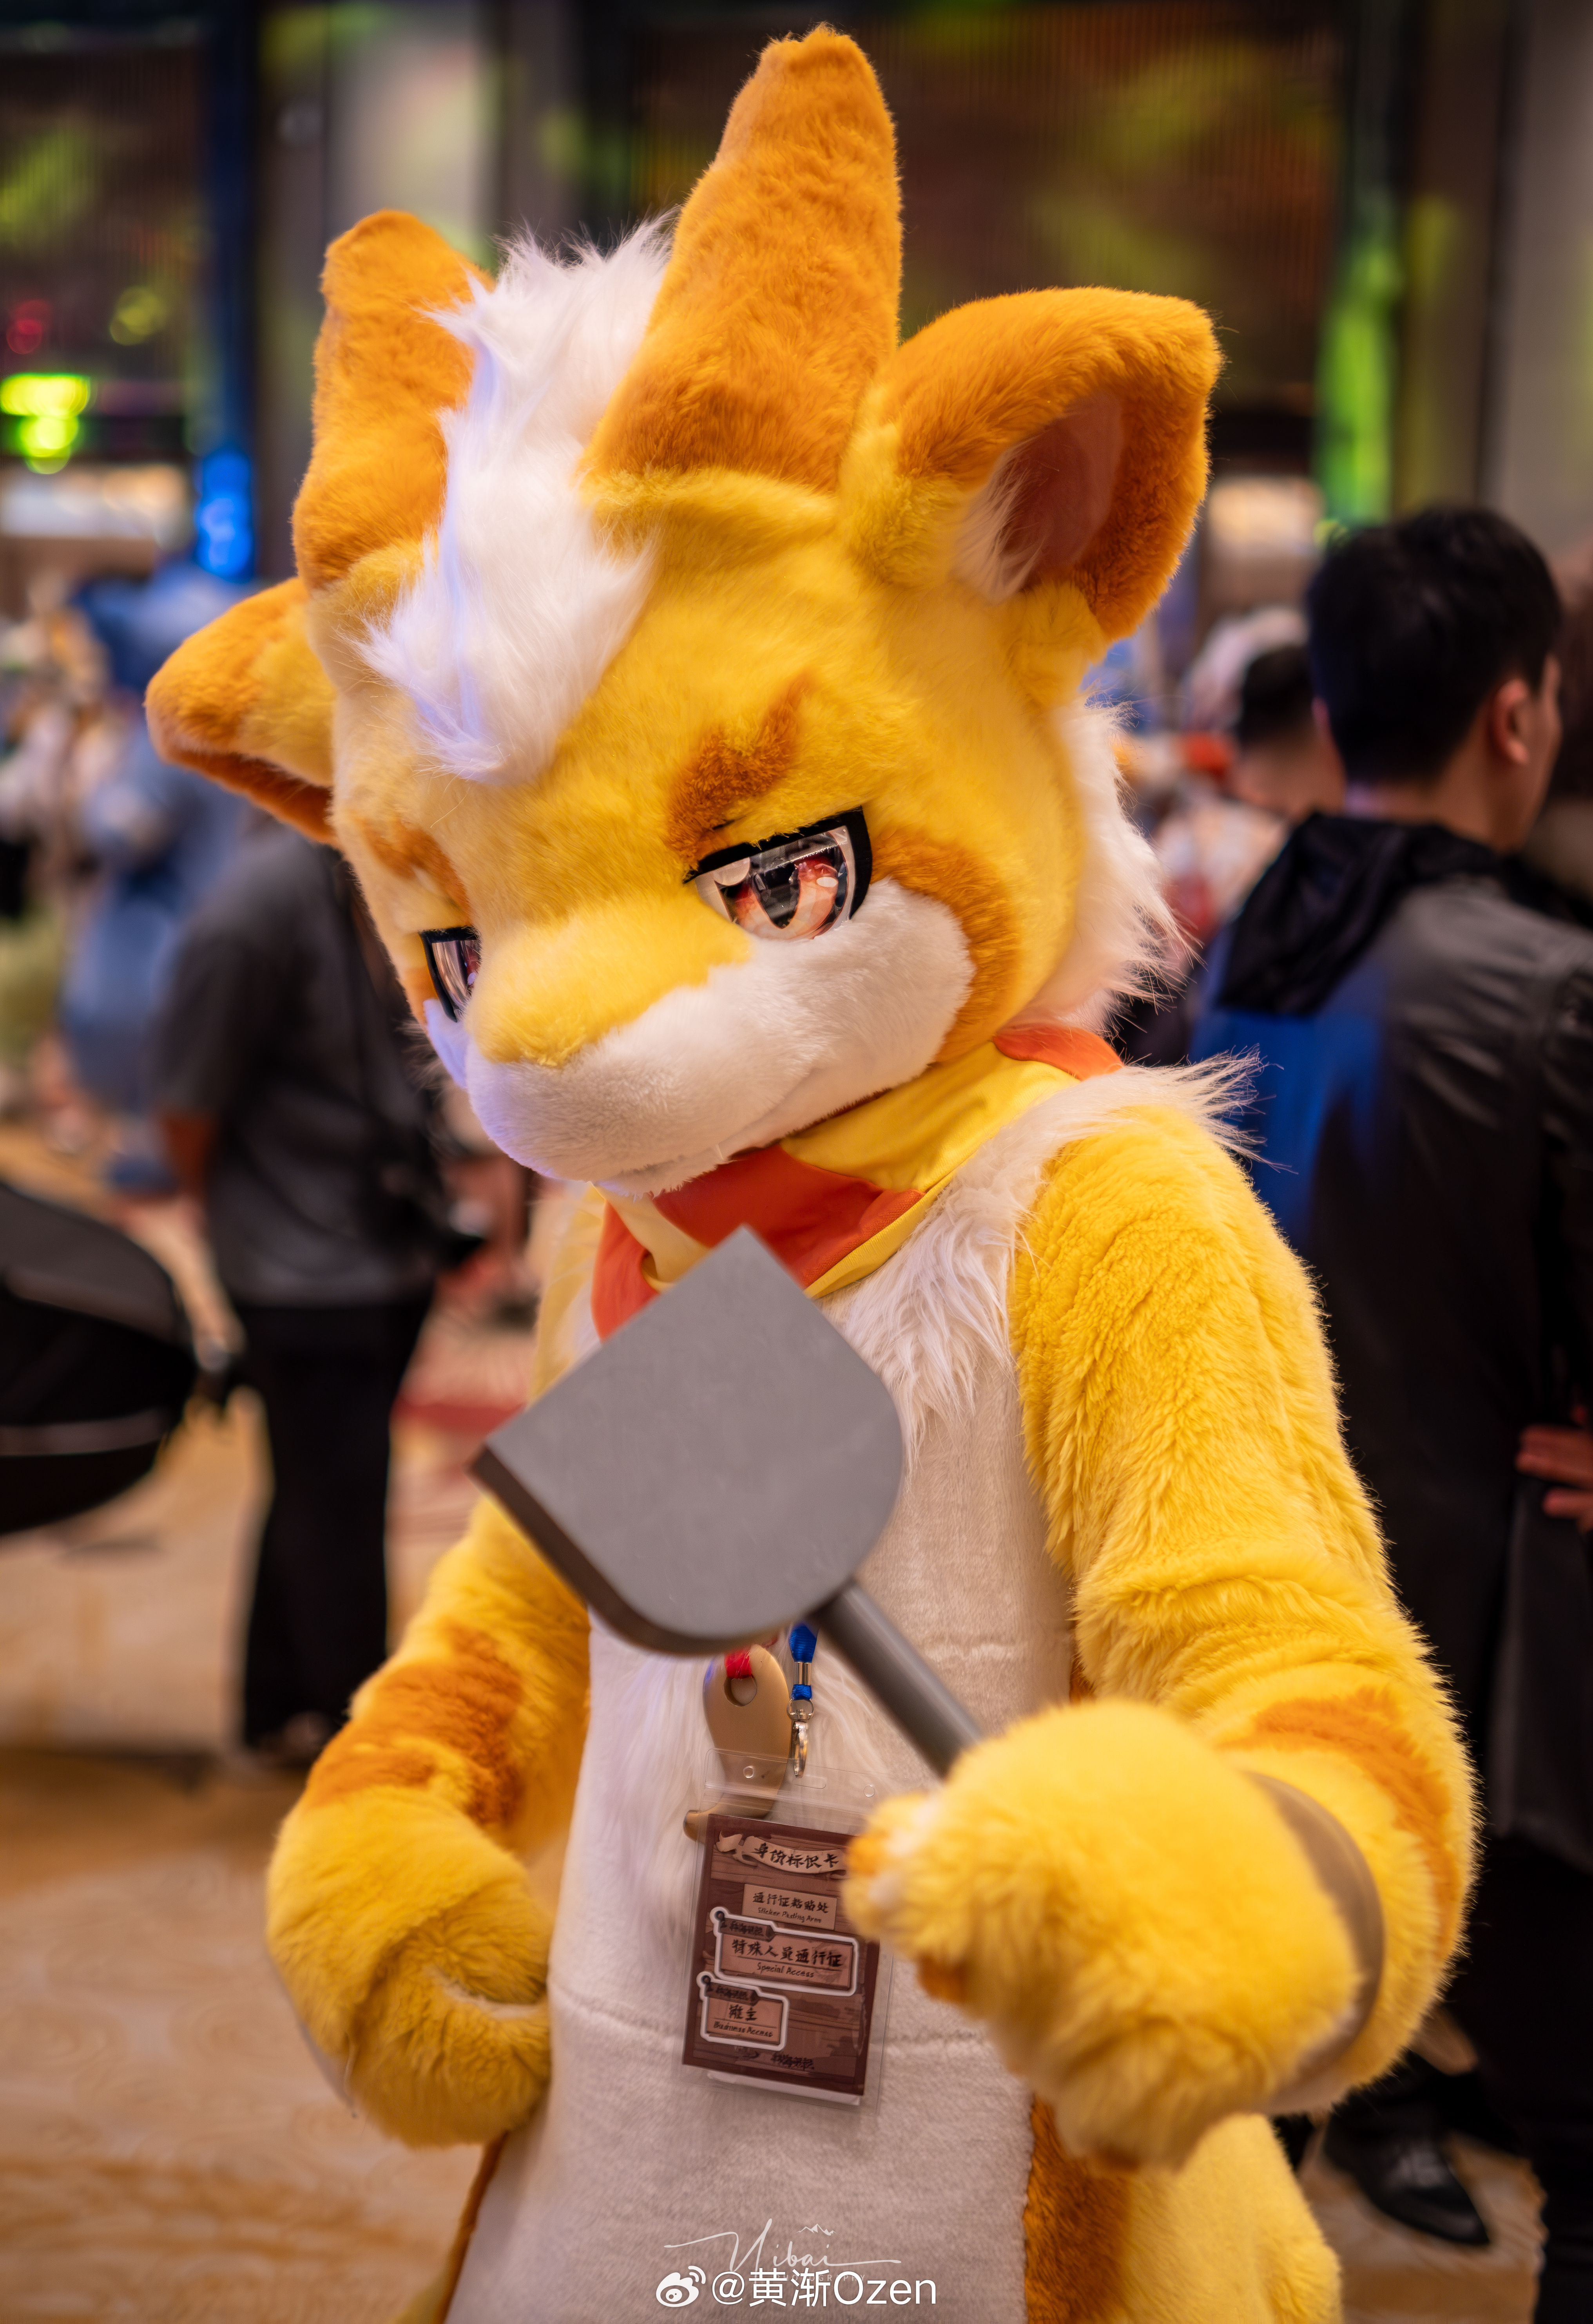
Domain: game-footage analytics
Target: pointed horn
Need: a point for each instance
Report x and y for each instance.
(383, 371)
(780, 301)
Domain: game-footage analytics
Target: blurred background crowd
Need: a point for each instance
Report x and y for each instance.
(1387, 206)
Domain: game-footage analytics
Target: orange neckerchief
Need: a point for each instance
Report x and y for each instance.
(830, 1225)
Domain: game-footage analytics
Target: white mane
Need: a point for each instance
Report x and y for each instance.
(1125, 939)
(520, 607)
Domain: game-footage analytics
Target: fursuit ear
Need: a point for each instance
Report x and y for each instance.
(384, 372)
(1055, 437)
(247, 700)
(244, 700)
(779, 304)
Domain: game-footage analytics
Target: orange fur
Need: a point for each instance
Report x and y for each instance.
(282, 795)
(383, 372)
(943, 1981)
(440, 2296)
(418, 989)
(1366, 1727)
(954, 875)
(722, 777)
(802, 494)
(779, 302)
(468, 1705)
(987, 377)
(403, 850)
(245, 702)
(1075, 2225)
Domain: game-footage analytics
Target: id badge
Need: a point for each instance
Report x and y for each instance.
(784, 1989)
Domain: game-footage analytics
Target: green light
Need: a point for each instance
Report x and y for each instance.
(47, 438)
(40, 395)
(1358, 371)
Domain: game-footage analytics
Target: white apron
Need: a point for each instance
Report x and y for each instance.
(637, 2168)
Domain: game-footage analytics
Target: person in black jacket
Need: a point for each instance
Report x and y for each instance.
(1424, 1129)
(295, 1112)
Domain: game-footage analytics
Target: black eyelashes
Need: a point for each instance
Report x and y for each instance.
(852, 820)
(453, 956)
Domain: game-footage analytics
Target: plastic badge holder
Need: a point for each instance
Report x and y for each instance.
(783, 1993)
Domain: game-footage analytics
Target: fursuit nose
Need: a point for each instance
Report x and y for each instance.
(719, 1469)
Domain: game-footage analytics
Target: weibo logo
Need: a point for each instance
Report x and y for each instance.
(678, 2290)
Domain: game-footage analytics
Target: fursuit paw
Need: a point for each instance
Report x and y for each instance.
(452, 2046)
(416, 1956)
(1129, 1915)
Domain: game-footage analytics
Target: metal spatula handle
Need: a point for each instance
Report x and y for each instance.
(923, 1706)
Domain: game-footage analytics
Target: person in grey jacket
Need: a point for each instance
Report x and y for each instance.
(1423, 1127)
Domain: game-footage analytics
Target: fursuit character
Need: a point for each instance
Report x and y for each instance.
(695, 669)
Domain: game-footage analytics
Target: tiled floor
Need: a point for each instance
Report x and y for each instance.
(169, 2152)
(168, 2149)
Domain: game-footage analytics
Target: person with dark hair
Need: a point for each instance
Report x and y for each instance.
(1283, 758)
(1284, 765)
(1423, 1134)
(1414, 626)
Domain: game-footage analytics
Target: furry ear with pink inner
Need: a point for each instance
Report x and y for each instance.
(1053, 441)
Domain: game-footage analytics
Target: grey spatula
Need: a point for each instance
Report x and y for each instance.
(719, 1468)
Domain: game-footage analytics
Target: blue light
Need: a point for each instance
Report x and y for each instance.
(224, 523)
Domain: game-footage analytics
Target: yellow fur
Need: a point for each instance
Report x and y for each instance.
(1226, 1571)
(1140, 2027)
(394, 1893)
(1104, 1886)
(571, 881)
(925, 691)
(1228, 2235)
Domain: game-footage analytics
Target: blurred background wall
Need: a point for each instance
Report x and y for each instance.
(1386, 204)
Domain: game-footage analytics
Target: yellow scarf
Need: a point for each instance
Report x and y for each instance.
(834, 1202)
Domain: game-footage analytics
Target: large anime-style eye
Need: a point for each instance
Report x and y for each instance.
(795, 885)
(454, 958)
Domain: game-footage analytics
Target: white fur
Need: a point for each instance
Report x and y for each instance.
(655, 1747)
(921, 1319)
(762, 1048)
(985, 556)
(449, 1038)
(520, 607)
(1125, 936)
